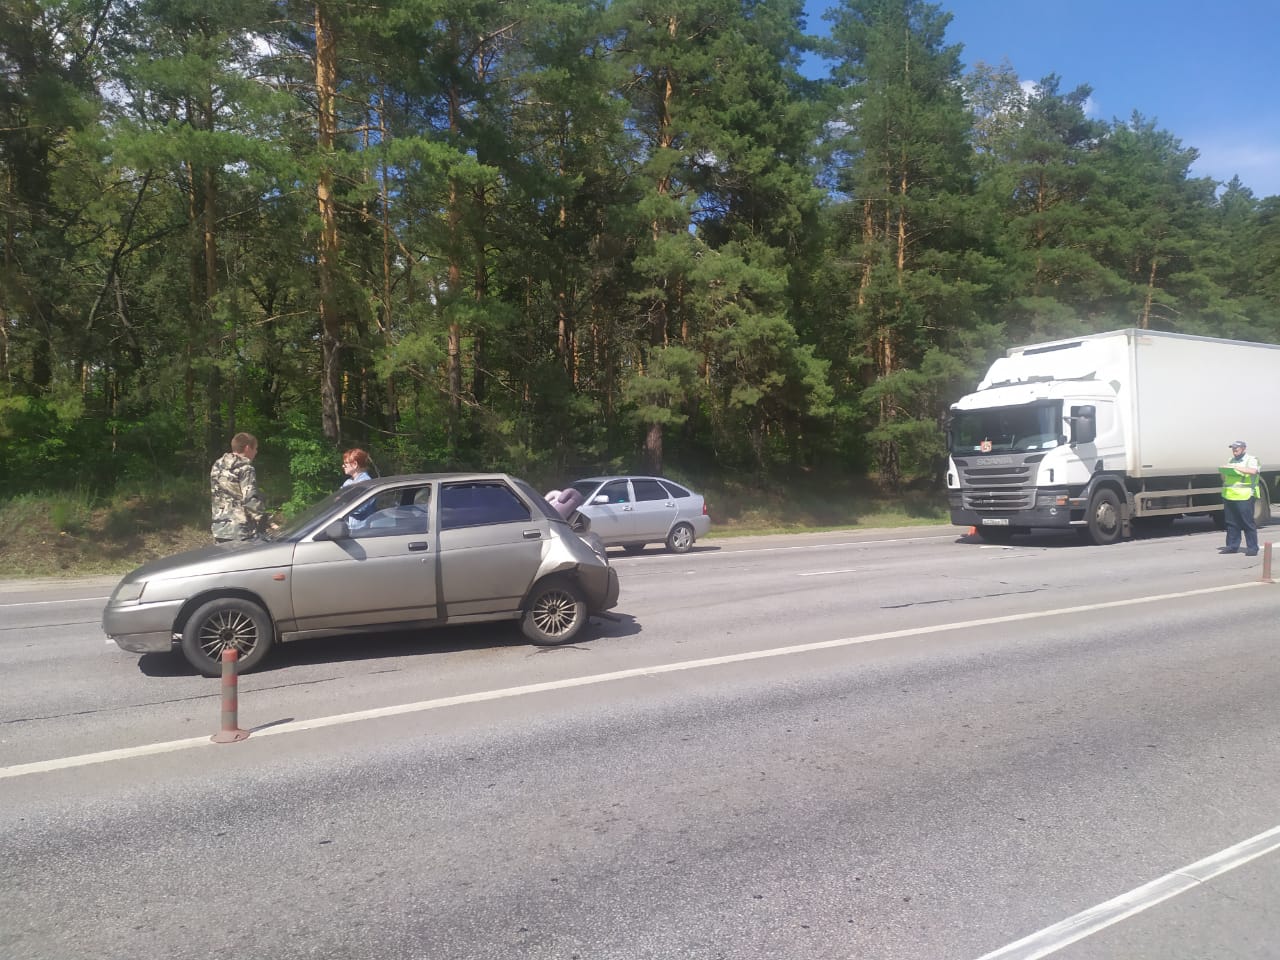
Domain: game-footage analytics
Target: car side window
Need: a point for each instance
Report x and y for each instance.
(616, 491)
(677, 491)
(648, 489)
(393, 513)
(477, 504)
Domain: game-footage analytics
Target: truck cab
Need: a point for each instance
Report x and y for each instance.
(1027, 455)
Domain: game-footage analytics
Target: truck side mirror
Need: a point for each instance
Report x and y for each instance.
(1084, 424)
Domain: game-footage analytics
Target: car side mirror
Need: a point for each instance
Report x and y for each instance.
(338, 530)
(600, 498)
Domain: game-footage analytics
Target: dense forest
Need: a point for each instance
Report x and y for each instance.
(557, 236)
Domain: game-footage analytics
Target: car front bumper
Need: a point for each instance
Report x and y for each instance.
(141, 627)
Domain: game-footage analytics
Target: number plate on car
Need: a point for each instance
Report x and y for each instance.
(995, 521)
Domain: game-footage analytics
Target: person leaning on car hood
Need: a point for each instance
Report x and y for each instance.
(239, 511)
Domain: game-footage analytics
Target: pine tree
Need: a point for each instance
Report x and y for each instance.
(905, 171)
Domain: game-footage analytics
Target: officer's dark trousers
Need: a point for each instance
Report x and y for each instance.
(1239, 515)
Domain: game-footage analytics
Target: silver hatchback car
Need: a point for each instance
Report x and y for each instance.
(394, 553)
(633, 511)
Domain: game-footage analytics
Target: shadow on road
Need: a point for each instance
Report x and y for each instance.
(402, 643)
(1142, 530)
(657, 550)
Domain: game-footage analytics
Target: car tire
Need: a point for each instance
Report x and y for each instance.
(680, 539)
(554, 612)
(220, 623)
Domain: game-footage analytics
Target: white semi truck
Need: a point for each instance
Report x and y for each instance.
(1101, 432)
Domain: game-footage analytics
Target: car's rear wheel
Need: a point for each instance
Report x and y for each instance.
(680, 539)
(222, 623)
(554, 613)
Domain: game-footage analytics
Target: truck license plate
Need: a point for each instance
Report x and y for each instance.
(995, 521)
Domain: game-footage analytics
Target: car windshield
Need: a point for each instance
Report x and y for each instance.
(305, 521)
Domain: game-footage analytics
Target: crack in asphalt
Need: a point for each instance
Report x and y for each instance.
(981, 596)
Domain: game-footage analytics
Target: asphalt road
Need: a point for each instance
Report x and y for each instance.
(869, 744)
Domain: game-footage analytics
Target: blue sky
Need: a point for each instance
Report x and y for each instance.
(1209, 73)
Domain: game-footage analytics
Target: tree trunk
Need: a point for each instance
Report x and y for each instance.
(1144, 321)
(658, 311)
(326, 137)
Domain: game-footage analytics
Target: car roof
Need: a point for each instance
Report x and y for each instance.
(624, 476)
(426, 477)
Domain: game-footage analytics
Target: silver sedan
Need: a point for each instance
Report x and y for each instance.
(394, 553)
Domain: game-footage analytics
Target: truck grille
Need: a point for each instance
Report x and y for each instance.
(996, 489)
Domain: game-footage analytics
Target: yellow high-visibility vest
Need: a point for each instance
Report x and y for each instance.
(1237, 485)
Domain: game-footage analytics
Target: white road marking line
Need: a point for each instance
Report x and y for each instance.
(420, 706)
(1088, 922)
(826, 573)
(40, 603)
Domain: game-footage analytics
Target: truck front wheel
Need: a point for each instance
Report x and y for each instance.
(1103, 517)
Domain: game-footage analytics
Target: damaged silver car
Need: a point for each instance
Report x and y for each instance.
(396, 553)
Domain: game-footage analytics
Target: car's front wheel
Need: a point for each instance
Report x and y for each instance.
(555, 612)
(680, 539)
(222, 623)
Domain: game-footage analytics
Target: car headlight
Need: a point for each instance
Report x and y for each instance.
(129, 592)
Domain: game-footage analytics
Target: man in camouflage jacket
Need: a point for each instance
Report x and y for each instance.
(239, 512)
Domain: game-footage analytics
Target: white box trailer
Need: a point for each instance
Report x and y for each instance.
(1098, 432)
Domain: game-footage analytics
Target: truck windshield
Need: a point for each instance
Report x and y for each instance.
(1034, 426)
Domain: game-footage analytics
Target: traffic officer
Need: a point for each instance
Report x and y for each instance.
(1239, 487)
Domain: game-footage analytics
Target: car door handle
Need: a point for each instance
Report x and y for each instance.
(628, 509)
(532, 534)
(419, 545)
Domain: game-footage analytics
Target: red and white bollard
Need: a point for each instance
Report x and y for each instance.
(230, 731)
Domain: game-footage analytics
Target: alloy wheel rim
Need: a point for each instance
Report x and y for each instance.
(228, 628)
(554, 613)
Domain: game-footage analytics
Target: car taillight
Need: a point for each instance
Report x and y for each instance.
(704, 508)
